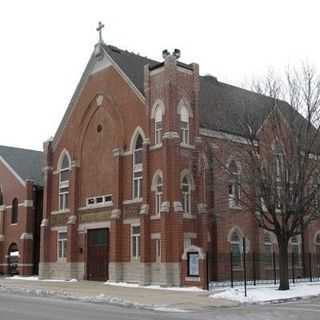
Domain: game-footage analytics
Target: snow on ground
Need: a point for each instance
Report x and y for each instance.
(268, 293)
(154, 287)
(34, 278)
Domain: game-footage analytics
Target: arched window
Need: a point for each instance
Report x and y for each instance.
(186, 194)
(268, 249)
(317, 247)
(236, 249)
(1, 197)
(184, 125)
(296, 249)
(14, 211)
(137, 167)
(64, 176)
(13, 259)
(204, 169)
(278, 158)
(316, 191)
(158, 194)
(158, 125)
(234, 185)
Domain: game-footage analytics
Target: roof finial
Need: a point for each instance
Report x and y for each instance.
(99, 29)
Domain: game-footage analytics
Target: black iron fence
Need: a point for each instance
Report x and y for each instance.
(243, 269)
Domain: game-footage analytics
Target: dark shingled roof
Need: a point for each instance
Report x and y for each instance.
(26, 163)
(227, 108)
(222, 106)
(131, 64)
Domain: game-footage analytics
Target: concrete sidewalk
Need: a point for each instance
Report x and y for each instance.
(190, 301)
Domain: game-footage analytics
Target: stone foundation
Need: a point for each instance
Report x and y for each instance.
(165, 274)
(62, 270)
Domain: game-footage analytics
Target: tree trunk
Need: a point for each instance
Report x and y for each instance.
(283, 265)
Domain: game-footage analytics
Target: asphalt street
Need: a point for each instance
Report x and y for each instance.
(19, 307)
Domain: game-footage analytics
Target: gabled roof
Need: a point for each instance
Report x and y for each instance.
(227, 108)
(26, 164)
(222, 106)
(131, 64)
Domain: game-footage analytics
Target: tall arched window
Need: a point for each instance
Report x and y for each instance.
(317, 247)
(186, 194)
(158, 125)
(184, 125)
(316, 191)
(278, 158)
(158, 194)
(14, 211)
(296, 249)
(234, 185)
(1, 197)
(137, 167)
(268, 249)
(236, 249)
(204, 168)
(64, 176)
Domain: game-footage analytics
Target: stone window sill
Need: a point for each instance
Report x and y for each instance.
(193, 279)
(187, 146)
(156, 146)
(60, 211)
(155, 217)
(93, 207)
(132, 201)
(188, 216)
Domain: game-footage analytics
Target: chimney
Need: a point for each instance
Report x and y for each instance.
(165, 54)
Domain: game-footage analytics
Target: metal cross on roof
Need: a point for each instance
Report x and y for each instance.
(99, 29)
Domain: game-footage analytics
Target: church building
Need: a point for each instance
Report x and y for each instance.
(129, 189)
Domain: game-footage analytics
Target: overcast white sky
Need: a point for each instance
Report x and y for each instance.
(45, 46)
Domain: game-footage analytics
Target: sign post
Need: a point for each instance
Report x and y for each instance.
(244, 266)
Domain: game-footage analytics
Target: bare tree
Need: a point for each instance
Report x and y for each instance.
(280, 178)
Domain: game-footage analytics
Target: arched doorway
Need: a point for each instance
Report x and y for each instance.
(13, 258)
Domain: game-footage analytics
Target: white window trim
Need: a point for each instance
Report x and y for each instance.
(158, 131)
(185, 134)
(61, 259)
(186, 196)
(102, 204)
(138, 245)
(158, 195)
(62, 206)
(137, 168)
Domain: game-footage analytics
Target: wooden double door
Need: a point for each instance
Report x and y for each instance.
(97, 254)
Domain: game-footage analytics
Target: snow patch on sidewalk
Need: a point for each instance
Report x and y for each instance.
(34, 278)
(268, 294)
(99, 299)
(154, 287)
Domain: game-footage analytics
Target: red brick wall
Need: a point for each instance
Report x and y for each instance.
(12, 188)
